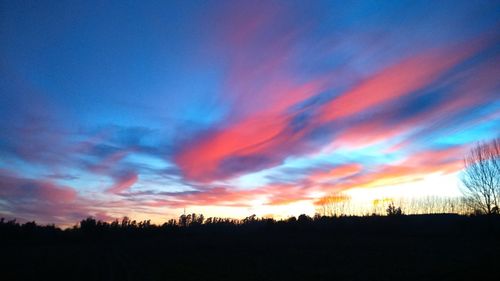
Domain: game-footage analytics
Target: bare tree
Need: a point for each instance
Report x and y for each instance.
(334, 205)
(481, 177)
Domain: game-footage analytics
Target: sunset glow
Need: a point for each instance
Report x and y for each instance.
(234, 108)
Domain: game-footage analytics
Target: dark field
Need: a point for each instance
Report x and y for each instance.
(437, 247)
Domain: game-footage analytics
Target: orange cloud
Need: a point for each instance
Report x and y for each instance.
(332, 199)
(415, 167)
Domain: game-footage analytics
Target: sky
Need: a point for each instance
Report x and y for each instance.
(231, 108)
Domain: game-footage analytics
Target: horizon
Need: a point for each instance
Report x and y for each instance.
(233, 108)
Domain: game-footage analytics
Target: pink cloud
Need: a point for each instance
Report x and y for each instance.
(337, 172)
(268, 139)
(123, 182)
(395, 81)
(15, 188)
(40, 200)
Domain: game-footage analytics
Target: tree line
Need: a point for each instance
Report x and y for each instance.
(480, 189)
(481, 196)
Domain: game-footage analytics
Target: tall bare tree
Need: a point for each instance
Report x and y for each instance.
(481, 177)
(335, 205)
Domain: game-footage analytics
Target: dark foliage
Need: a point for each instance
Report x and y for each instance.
(393, 210)
(425, 247)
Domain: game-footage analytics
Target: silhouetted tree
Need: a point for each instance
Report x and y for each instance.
(125, 222)
(393, 210)
(89, 224)
(191, 220)
(304, 219)
(250, 219)
(183, 220)
(197, 219)
(481, 178)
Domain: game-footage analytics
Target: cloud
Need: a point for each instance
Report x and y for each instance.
(415, 166)
(43, 200)
(338, 172)
(19, 189)
(271, 194)
(123, 181)
(320, 180)
(289, 100)
(46, 201)
(402, 78)
(261, 141)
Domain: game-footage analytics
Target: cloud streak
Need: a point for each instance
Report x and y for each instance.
(261, 141)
